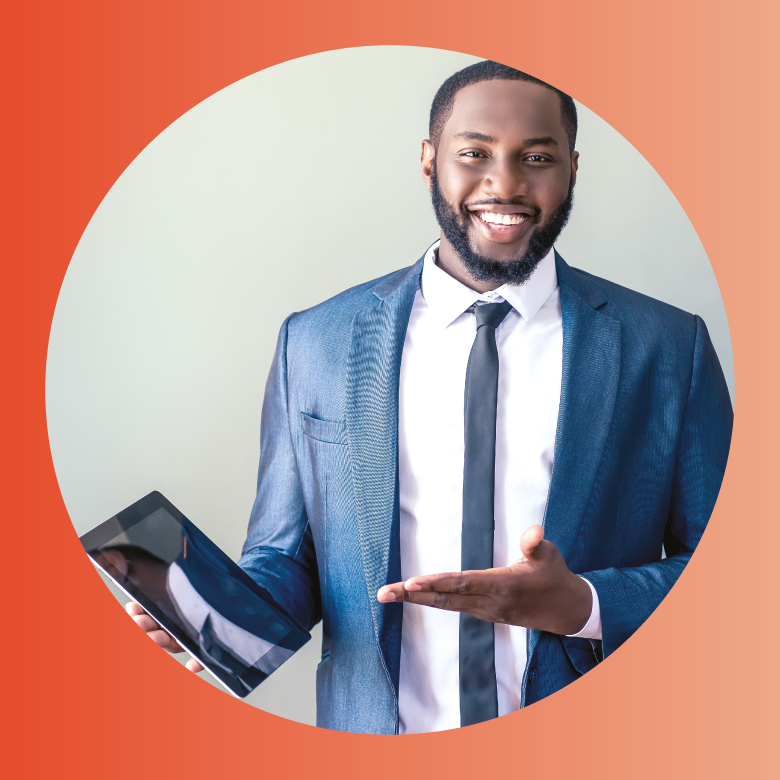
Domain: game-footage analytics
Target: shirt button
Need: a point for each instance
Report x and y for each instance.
(533, 673)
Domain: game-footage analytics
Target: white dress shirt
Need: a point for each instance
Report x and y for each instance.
(431, 448)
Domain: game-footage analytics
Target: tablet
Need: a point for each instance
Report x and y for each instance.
(214, 610)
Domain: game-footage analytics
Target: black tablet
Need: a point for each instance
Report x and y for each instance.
(213, 609)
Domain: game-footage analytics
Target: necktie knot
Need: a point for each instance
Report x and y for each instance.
(491, 314)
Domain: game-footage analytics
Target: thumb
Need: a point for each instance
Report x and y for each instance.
(530, 542)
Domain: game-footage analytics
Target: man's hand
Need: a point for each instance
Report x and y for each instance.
(537, 591)
(157, 635)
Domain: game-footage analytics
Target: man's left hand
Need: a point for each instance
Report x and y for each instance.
(538, 591)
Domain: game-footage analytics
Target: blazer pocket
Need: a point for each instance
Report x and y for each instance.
(324, 430)
(581, 653)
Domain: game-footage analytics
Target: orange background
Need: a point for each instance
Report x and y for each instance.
(693, 85)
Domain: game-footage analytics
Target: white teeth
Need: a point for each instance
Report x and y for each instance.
(502, 219)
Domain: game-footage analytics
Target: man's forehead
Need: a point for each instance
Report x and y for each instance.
(503, 109)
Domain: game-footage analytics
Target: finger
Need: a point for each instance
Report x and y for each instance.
(194, 666)
(461, 582)
(530, 542)
(146, 623)
(477, 605)
(165, 640)
(390, 593)
(473, 582)
(152, 628)
(450, 582)
(452, 602)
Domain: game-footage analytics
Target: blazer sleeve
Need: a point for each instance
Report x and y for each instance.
(279, 550)
(627, 596)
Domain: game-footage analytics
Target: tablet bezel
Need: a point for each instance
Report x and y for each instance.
(108, 530)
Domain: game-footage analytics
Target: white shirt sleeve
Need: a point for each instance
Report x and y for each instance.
(592, 629)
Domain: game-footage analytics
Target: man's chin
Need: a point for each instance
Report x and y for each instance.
(511, 270)
(499, 251)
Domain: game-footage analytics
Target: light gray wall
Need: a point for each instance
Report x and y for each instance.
(272, 195)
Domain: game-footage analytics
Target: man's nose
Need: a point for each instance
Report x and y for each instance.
(505, 180)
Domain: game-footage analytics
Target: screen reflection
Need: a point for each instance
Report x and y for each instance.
(240, 633)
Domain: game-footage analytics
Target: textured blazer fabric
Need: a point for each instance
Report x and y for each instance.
(641, 447)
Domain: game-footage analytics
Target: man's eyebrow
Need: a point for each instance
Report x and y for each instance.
(546, 140)
(472, 135)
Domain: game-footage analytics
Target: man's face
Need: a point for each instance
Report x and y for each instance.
(501, 179)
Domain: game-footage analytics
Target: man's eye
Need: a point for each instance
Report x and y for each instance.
(472, 153)
(536, 158)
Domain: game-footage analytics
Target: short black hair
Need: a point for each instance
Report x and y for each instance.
(487, 70)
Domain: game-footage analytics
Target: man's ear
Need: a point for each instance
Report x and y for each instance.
(575, 161)
(426, 162)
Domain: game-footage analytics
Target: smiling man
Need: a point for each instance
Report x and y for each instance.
(471, 468)
(506, 158)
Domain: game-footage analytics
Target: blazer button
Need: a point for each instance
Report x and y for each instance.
(533, 673)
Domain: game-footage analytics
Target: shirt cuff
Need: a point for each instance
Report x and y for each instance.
(592, 629)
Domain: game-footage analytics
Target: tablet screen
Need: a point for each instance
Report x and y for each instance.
(198, 594)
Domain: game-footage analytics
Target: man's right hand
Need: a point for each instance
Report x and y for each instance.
(157, 635)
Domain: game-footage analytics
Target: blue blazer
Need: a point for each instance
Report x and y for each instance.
(640, 451)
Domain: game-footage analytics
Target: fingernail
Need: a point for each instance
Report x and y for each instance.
(390, 596)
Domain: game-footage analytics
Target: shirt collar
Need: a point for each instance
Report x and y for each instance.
(448, 298)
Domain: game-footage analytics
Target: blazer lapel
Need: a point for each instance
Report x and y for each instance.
(373, 371)
(589, 383)
(591, 371)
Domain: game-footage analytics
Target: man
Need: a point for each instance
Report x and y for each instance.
(470, 468)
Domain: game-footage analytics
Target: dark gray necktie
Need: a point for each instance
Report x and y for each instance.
(478, 691)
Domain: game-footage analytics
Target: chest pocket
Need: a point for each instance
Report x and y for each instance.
(324, 430)
(329, 507)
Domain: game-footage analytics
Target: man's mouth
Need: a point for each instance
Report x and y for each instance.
(492, 218)
(503, 223)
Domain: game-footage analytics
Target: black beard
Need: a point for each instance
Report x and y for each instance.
(482, 268)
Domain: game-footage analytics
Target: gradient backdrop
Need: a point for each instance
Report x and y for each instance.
(281, 190)
(87, 87)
